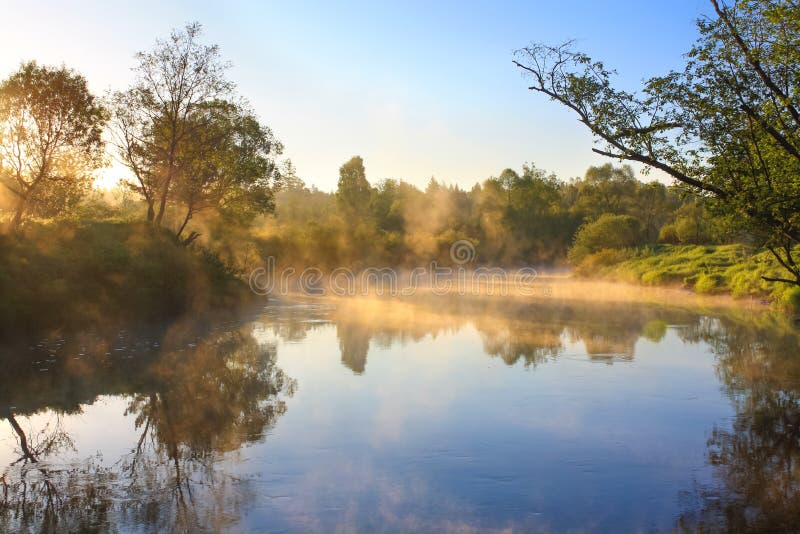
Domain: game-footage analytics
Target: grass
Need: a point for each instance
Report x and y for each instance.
(709, 269)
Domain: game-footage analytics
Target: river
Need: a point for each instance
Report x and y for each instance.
(409, 414)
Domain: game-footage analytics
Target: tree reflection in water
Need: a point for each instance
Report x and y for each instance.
(197, 400)
(513, 331)
(193, 401)
(756, 462)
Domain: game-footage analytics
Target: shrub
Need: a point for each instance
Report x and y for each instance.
(790, 298)
(71, 275)
(668, 234)
(709, 283)
(607, 232)
(592, 263)
(657, 276)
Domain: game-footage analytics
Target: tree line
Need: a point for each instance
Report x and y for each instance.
(189, 140)
(725, 128)
(515, 218)
(194, 147)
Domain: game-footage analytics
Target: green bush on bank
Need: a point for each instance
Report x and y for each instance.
(708, 269)
(65, 274)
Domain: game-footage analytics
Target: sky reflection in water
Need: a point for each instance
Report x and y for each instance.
(426, 415)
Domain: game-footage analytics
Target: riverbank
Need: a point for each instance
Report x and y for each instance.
(69, 275)
(729, 270)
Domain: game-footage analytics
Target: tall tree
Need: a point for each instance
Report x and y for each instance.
(227, 164)
(727, 126)
(353, 193)
(50, 139)
(153, 118)
(606, 189)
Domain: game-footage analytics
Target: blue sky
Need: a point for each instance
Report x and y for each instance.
(418, 89)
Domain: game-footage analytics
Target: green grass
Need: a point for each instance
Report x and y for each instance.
(709, 269)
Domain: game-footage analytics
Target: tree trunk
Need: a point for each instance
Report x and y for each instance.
(19, 211)
(191, 239)
(162, 206)
(23, 440)
(185, 222)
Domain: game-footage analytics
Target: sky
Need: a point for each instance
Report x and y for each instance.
(418, 89)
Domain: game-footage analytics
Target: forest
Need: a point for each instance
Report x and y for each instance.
(614, 348)
(208, 196)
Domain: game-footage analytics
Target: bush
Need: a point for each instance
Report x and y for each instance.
(709, 283)
(594, 263)
(706, 269)
(668, 234)
(71, 275)
(659, 276)
(790, 298)
(607, 232)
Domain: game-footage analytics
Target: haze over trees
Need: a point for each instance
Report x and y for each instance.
(516, 218)
(205, 175)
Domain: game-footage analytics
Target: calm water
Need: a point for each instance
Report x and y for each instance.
(437, 415)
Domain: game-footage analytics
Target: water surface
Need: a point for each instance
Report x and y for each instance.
(418, 415)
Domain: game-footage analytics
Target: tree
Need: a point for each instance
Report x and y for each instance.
(155, 118)
(387, 206)
(507, 180)
(50, 139)
(353, 193)
(692, 224)
(289, 179)
(606, 189)
(226, 164)
(654, 205)
(541, 228)
(727, 126)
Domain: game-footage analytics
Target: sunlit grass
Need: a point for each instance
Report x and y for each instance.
(709, 269)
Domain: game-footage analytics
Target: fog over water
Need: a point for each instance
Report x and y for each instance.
(425, 413)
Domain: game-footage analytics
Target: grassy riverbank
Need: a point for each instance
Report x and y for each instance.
(720, 269)
(67, 275)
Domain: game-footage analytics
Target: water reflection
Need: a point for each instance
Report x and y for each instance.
(513, 331)
(192, 400)
(756, 460)
(198, 397)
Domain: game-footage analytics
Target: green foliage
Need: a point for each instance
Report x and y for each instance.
(353, 193)
(50, 140)
(189, 140)
(790, 298)
(727, 269)
(593, 263)
(227, 163)
(607, 189)
(727, 126)
(527, 217)
(693, 224)
(607, 232)
(709, 283)
(75, 274)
